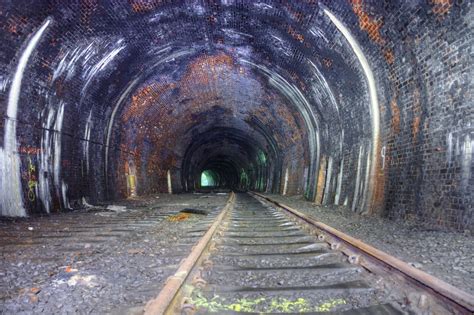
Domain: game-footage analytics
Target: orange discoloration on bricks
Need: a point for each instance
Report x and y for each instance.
(389, 56)
(321, 181)
(379, 191)
(206, 69)
(395, 121)
(294, 132)
(372, 27)
(327, 62)
(15, 24)
(367, 23)
(144, 98)
(416, 127)
(416, 113)
(141, 6)
(441, 7)
(299, 37)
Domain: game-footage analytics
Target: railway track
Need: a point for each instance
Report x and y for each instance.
(127, 254)
(262, 257)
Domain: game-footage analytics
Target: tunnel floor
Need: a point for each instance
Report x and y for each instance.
(99, 260)
(445, 255)
(114, 258)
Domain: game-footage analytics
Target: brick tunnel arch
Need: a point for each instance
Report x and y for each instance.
(339, 96)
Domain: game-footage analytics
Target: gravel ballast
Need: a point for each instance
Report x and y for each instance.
(101, 259)
(443, 254)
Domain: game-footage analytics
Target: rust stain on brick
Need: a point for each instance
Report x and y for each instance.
(143, 6)
(416, 127)
(389, 55)
(16, 24)
(327, 62)
(441, 7)
(144, 98)
(299, 37)
(321, 181)
(416, 114)
(395, 120)
(367, 23)
(372, 27)
(207, 68)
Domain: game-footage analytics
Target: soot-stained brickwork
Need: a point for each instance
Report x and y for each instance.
(360, 103)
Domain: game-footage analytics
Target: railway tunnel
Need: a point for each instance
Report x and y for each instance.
(355, 104)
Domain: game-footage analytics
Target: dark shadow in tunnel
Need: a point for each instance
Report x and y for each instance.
(236, 160)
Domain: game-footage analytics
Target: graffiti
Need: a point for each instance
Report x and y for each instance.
(11, 201)
(32, 180)
(29, 150)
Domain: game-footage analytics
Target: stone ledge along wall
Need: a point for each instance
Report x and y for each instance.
(367, 103)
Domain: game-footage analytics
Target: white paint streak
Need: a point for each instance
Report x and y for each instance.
(366, 184)
(466, 163)
(45, 162)
(11, 200)
(449, 150)
(316, 31)
(101, 65)
(50, 158)
(305, 179)
(4, 82)
(341, 170)
(339, 183)
(64, 188)
(357, 181)
(86, 142)
(57, 145)
(327, 187)
(110, 124)
(322, 82)
(374, 105)
(89, 59)
(61, 66)
(382, 155)
(285, 184)
(170, 187)
(68, 63)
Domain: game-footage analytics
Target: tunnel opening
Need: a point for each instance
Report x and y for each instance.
(209, 178)
(231, 158)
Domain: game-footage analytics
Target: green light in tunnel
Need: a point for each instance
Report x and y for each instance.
(208, 178)
(244, 179)
(262, 157)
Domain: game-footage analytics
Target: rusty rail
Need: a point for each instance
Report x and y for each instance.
(459, 298)
(166, 299)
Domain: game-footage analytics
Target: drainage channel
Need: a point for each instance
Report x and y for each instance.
(258, 259)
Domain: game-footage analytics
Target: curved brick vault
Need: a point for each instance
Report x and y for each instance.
(354, 102)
